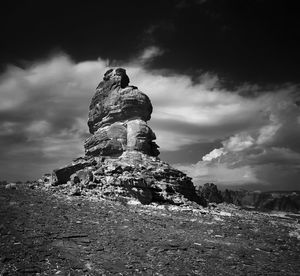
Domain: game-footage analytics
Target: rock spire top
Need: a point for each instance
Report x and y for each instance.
(117, 75)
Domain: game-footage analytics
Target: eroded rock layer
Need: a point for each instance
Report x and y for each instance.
(131, 175)
(120, 155)
(115, 101)
(117, 118)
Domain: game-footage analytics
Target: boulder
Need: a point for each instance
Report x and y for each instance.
(49, 179)
(84, 176)
(63, 174)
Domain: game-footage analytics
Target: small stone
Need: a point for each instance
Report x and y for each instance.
(12, 186)
(75, 191)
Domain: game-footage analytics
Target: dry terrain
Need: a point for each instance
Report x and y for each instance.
(48, 233)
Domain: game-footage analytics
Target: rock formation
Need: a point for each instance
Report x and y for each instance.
(286, 201)
(210, 193)
(121, 155)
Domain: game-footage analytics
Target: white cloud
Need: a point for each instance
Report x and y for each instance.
(214, 154)
(238, 142)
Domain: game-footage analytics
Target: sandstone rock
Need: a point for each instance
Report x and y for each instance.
(140, 137)
(63, 174)
(120, 159)
(49, 179)
(114, 139)
(117, 118)
(144, 195)
(115, 101)
(74, 179)
(84, 176)
(130, 172)
(107, 141)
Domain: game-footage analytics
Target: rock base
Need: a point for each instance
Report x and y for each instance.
(131, 175)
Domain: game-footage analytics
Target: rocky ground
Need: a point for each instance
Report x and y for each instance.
(48, 233)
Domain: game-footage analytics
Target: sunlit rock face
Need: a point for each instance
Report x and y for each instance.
(121, 157)
(117, 118)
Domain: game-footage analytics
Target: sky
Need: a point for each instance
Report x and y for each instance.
(222, 76)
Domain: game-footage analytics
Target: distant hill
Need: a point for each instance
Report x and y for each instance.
(288, 201)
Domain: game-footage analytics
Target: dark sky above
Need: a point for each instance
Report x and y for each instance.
(223, 77)
(242, 41)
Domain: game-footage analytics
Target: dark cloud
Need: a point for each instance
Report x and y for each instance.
(249, 41)
(254, 41)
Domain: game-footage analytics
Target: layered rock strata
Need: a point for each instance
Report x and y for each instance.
(121, 155)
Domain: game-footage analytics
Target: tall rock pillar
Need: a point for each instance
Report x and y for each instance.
(121, 154)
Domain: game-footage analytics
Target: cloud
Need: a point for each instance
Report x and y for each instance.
(43, 113)
(203, 172)
(238, 142)
(37, 128)
(208, 113)
(150, 53)
(213, 154)
(44, 108)
(261, 152)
